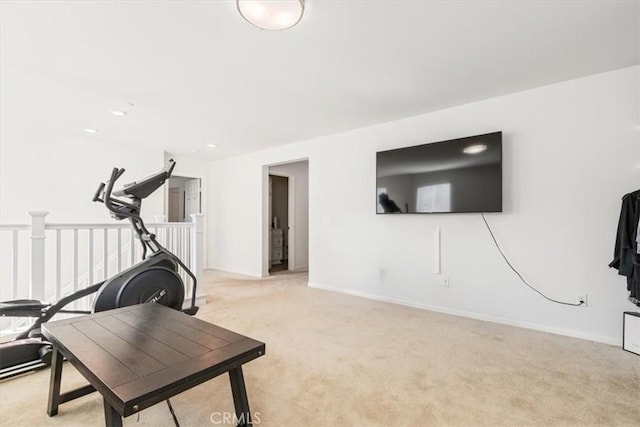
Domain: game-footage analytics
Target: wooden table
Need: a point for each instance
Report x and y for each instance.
(140, 355)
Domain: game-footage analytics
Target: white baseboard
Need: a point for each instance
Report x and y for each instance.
(238, 272)
(472, 315)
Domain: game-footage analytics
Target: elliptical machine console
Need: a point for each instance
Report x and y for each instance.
(154, 279)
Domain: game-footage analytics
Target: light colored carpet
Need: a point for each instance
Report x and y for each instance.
(337, 360)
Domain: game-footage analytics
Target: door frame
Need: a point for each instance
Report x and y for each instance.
(266, 221)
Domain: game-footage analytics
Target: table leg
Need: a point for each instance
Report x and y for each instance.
(240, 400)
(111, 417)
(54, 383)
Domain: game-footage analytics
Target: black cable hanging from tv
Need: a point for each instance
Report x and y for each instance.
(518, 273)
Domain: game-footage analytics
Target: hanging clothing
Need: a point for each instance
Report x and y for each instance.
(638, 238)
(626, 258)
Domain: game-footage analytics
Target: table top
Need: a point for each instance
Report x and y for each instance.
(139, 355)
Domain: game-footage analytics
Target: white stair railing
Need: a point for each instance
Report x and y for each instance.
(46, 261)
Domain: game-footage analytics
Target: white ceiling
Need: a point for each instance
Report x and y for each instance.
(199, 74)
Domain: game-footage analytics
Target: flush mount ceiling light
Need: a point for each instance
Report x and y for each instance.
(474, 149)
(119, 113)
(271, 14)
(211, 145)
(91, 130)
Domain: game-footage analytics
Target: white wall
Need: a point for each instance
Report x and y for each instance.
(570, 152)
(300, 172)
(61, 175)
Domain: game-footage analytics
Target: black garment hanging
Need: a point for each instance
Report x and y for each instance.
(625, 255)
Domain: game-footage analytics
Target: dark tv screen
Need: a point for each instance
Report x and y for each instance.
(458, 175)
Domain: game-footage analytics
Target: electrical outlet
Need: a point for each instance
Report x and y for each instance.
(582, 298)
(445, 281)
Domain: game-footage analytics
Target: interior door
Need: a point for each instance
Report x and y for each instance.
(192, 198)
(174, 204)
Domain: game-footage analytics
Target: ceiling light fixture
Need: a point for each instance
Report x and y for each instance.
(119, 113)
(271, 15)
(91, 130)
(211, 145)
(475, 149)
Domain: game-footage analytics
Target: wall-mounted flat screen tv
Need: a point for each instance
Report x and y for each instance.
(459, 175)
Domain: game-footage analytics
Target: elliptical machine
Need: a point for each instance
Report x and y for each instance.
(154, 279)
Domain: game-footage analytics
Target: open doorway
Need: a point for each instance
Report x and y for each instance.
(279, 214)
(286, 217)
(185, 198)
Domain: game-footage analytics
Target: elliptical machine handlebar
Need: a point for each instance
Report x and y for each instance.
(115, 174)
(96, 197)
(119, 208)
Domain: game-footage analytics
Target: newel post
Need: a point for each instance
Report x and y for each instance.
(197, 245)
(37, 254)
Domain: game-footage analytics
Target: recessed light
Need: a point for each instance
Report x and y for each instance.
(91, 130)
(211, 145)
(475, 149)
(193, 150)
(119, 113)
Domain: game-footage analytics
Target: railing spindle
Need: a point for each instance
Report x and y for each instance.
(91, 266)
(105, 253)
(58, 264)
(188, 260)
(119, 249)
(186, 252)
(14, 265)
(197, 245)
(180, 246)
(75, 259)
(132, 248)
(178, 242)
